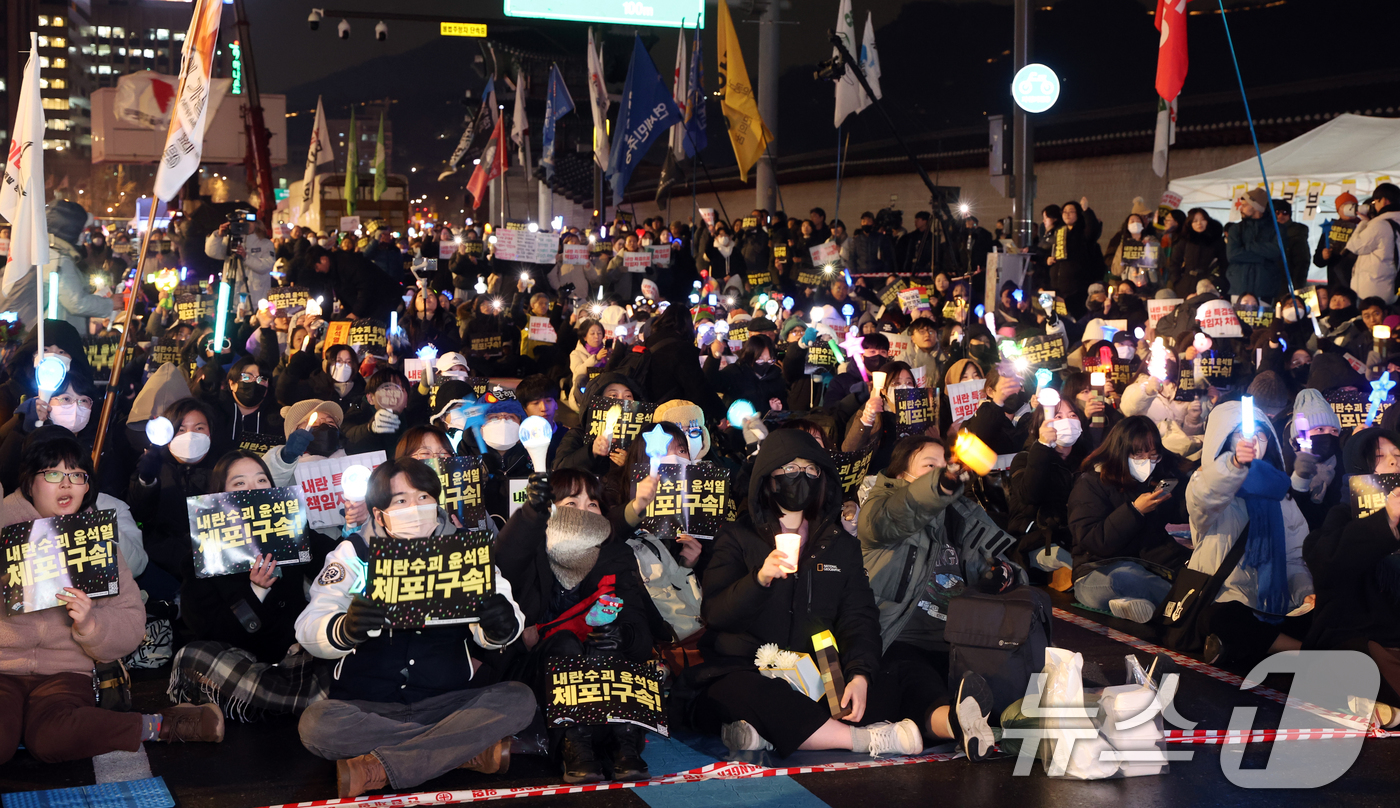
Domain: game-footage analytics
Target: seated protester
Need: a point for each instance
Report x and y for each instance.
(1343, 330)
(506, 459)
(876, 427)
(559, 556)
(332, 376)
(1182, 423)
(244, 656)
(594, 453)
(1042, 478)
(381, 418)
(487, 320)
(1317, 479)
(69, 407)
(308, 442)
(1240, 493)
(165, 476)
(875, 352)
(691, 419)
(424, 443)
(1119, 510)
(388, 724)
(47, 656)
(1009, 310)
(429, 323)
(960, 370)
(1100, 415)
(242, 405)
(539, 395)
(995, 419)
(755, 377)
(923, 347)
(1353, 565)
(755, 594)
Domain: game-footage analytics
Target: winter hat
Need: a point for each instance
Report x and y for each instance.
(789, 325)
(1329, 371)
(1312, 406)
(66, 220)
(508, 406)
(762, 325)
(1259, 198)
(165, 387)
(612, 317)
(1269, 392)
(1205, 286)
(739, 316)
(1095, 289)
(1093, 330)
(572, 539)
(1345, 199)
(683, 413)
(447, 360)
(1140, 207)
(292, 416)
(1165, 293)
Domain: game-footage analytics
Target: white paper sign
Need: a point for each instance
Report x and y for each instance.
(965, 397)
(661, 255)
(446, 249)
(575, 253)
(920, 373)
(541, 330)
(349, 224)
(1217, 319)
(1157, 309)
(413, 369)
(320, 484)
(636, 261)
(827, 253)
(899, 343)
(517, 494)
(708, 214)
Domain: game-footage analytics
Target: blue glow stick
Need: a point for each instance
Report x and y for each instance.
(221, 321)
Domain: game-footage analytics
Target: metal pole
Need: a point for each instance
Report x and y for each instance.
(767, 182)
(1023, 138)
(257, 129)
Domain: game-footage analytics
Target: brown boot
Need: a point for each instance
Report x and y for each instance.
(495, 759)
(192, 723)
(357, 775)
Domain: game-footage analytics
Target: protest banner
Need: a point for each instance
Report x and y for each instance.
(320, 486)
(1157, 309)
(965, 397)
(738, 333)
(780, 253)
(45, 556)
(889, 294)
(438, 581)
(337, 333)
(825, 253)
(820, 355)
(259, 443)
(286, 297)
(1351, 407)
(165, 350)
(660, 255)
(691, 498)
(367, 334)
(1217, 319)
(190, 308)
(542, 330)
(914, 410)
(761, 278)
(1260, 317)
(1369, 492)
(349, 224)
(230, 531)
(575, 253)
(852, 468)
(446, 249)
(1045, 351)
(461, 479)
(600, 690)
(100, 353)
(1216, 367)
(636, 261)
(708, 215)
(812, 277)
(899, 343)
(632, 417)
(485, 345)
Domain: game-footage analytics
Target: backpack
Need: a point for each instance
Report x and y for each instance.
(637, 364)
(1002, 637)
(1181, 617)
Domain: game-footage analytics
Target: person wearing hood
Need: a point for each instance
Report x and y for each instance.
(1252, 248)
(61, 338)
(1129, 489)
(1374, 246)
(760, 590)
(487, 319)
(505, 458)
(1241, 493)
(1042, 478)
(850, 377)
(755, 377)
(332, 376)
(70, 407)
(1317, 479)
(165, 476)
(995, 420)
(539, 395)
(65, 220)
(1331, 247)
(673, 360)
(388, 724)
(595, 453)
(1202, 253)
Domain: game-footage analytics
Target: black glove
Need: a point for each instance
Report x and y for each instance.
(605, 640)
(354, 626)
(297, 444)
(148, 467)
(539, 493)
(498, 621)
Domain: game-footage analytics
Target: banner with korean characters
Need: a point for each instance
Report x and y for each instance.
(1157, 309)
(231, 530)
(542, 330)
(914, 410)
(1218, 319)
(825, 253)
(1370, 491)
(320, 486)
(164, 350)
(575, 253)
(965, 397)
(852, 468)
(287, 297)
(636, 261)
(660, 255)
(1045, 351)
(599, 690)
(1261, 317)
(820, 355)
(45, 556)
(438, 581)
(100, 352)
(1351, 407)
(367, 334)
(812, 277)
(189, 308)
(461, 479)
(485, 345)
(259, 443)
(692, 499)
(630, 418)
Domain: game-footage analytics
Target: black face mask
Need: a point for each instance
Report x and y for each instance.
(874, 363)
(1326, 446)
(1015, 401)
(250, 394)
(794, 492)
(1300, 374)
(325, 441)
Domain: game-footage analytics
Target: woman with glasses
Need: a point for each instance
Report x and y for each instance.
(244, 403)
(71, 407)
(1129, 489)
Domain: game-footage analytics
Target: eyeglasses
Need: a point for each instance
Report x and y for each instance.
(792, 470)
(68, 399)
(56, 477)
(429, 454)
(248, 377)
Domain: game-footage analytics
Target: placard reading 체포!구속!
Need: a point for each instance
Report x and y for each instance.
(436, 581)
(286, 297)
(1369, 492)
(461, 479)
(367, 334)
(189, 308)
(852, 468)
(1351, 407)
(632, 418)
(47, 555)
(231, 530)
(820, 355)
(485, 345)
(320, 486)
(692, 499)
(597, 690)
(965, 397)
(913, 410)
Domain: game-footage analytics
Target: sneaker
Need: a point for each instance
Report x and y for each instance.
(740, 736)
(581, 766)
(357, 775)
(494, 759)
(1137, 610)
(903, 738)
(192, 723)
(626, 763)
(1214, 650)
(973, 708)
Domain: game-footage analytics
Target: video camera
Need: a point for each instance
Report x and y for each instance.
(240, 222)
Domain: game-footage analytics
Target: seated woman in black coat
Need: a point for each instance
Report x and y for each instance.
(1042, 478)
(993, 422)
(755, 376)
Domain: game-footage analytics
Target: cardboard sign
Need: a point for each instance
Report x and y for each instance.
(852, 468)
(1339, 234)
(259, 443)
(825, 253)
(519, 244)
(542, 330)
(446, 249)
(1045, 351)
(286, 297)
(820, 355)
(461, 479)
(1369, 492)
(632, 418)
(349, 224)
(912, 300)
(189, 308)
(708, 215)
(166, 350)
(1351, 407)
(738, 333)
(45, 556)
(1255, 318)
(438, 581)
(600, 690)
(1157, 309)
(367, 334)
(338, 333)
(692, 499)
(1217, 319)
(900, 343)
(660, 255)
(812, 277)
(230, 531)
(636, 261)
(320, 486)
(517, 486)
(575, 253)
(413, 369)
(485, 345)
(914, 410)
(476, 247)
(965, 397)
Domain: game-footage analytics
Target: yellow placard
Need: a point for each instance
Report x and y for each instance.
(477, 29)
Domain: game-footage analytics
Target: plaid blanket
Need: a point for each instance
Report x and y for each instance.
(242, 686)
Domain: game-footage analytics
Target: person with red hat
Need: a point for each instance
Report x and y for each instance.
(1331, 252)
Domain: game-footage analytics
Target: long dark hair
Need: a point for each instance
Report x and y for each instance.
(218, 478)
(754, 348)
(1133, 434)
(904, 450)
(1038, 420)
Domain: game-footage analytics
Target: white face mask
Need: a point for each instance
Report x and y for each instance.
(1124, 351)
(342, 372)
(501, 434)
(325, 242)
(1135, 228)
(70, 417)
(190, 447)
(1067, 431)
(460, 375)
(1290, 314)
(412, 521)
(1140, 469)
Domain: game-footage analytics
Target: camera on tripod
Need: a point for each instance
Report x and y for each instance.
(239, 223)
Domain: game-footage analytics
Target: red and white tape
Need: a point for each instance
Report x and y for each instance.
(1222, 736)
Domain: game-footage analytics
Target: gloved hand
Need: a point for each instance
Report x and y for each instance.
(363, 616)
(296, 445)
(33, 411)
(148, 467)
(498, 621)
(1305, 465)
(808, 337)
(605, 640)
(385, 422)
(539, 493)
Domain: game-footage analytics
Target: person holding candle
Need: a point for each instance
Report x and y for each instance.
(591, 353)
(875, 428)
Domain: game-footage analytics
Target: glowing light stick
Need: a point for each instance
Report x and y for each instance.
(694, 299)
(739, 412)
(159, 431)
(1247, 417)
(828, 269)
(53, 296)
(535, 436)
(979, 310)
(1098, 379)
(221, 321)
(787, 303)
(847, 273)
(1380, 391)
(722, 328)
(1049, 398)
(1300, 422)
(354, 483)
(991, 322)
(658, 444)
(263, 305)
(610, 421)
(1017, 295)
(1201, 342)
(848, 310)
(1043, 377)
(393, 323)
(977, 456)
(1157, 363)
(1139, 333)
(496, 303)
(428, 353)
(49, 376)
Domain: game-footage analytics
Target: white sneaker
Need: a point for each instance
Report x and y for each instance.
(1137, 610)
(895, 739)
(973, 710)
(740, 736)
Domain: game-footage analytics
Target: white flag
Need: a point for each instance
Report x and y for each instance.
(520, 125)
(847, 88)
(869, 62)
(598, 96)
(1166, 135)
(682, 75)
(184, 143)
(318, 153)
(22, 191)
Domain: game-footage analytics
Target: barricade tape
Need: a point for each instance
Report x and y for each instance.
(1221, 736)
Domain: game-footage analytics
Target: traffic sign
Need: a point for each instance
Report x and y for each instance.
(1035, 88)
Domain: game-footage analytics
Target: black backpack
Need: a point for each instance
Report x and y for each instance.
(1002, 637)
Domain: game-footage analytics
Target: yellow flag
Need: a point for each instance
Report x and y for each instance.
(746, 129)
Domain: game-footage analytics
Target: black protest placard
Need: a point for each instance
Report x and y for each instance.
(889, 296)
(461, 479)
(1256, 318)
(164, 350)
(852, 467)
(756, 279)
(259, 442)
(368, 334)
(1118, 373)
(1216, 367)
(189, 308)
(101, 352)
(820, 354)
(286, 297)
(485, 344)
(812, 277)
(436, 581)
(598, 690)
(1369, 492)
(1339, 234)
(231, 530)
(1186, 380)
(1046, 351)
(692, 499)
(913, 409)
(632, 418)
(738, 333)
(1351, 407)
(45, 556)
(780, 252)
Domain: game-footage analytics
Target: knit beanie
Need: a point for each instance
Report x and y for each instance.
(508, 406)
(1345, 199)
(293, 415)
(1312, 406)
(1140, 207)
(682, 413)
(1269, 392)
(1259, 198)
(788, 325)
(1329, 371)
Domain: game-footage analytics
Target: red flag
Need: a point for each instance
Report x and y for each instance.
(495, 159)
(1171, 49)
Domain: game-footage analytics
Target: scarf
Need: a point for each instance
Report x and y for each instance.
(1263, 492)
(572, 541)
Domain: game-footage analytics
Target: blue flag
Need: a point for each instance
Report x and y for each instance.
(558, 103)
(695, 141)
(646, 112)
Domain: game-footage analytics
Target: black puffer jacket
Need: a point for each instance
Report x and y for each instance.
(160, 509)
(305, 378)
(1202, 256)
(576, 448)
(1105, 524)
(755, 383)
